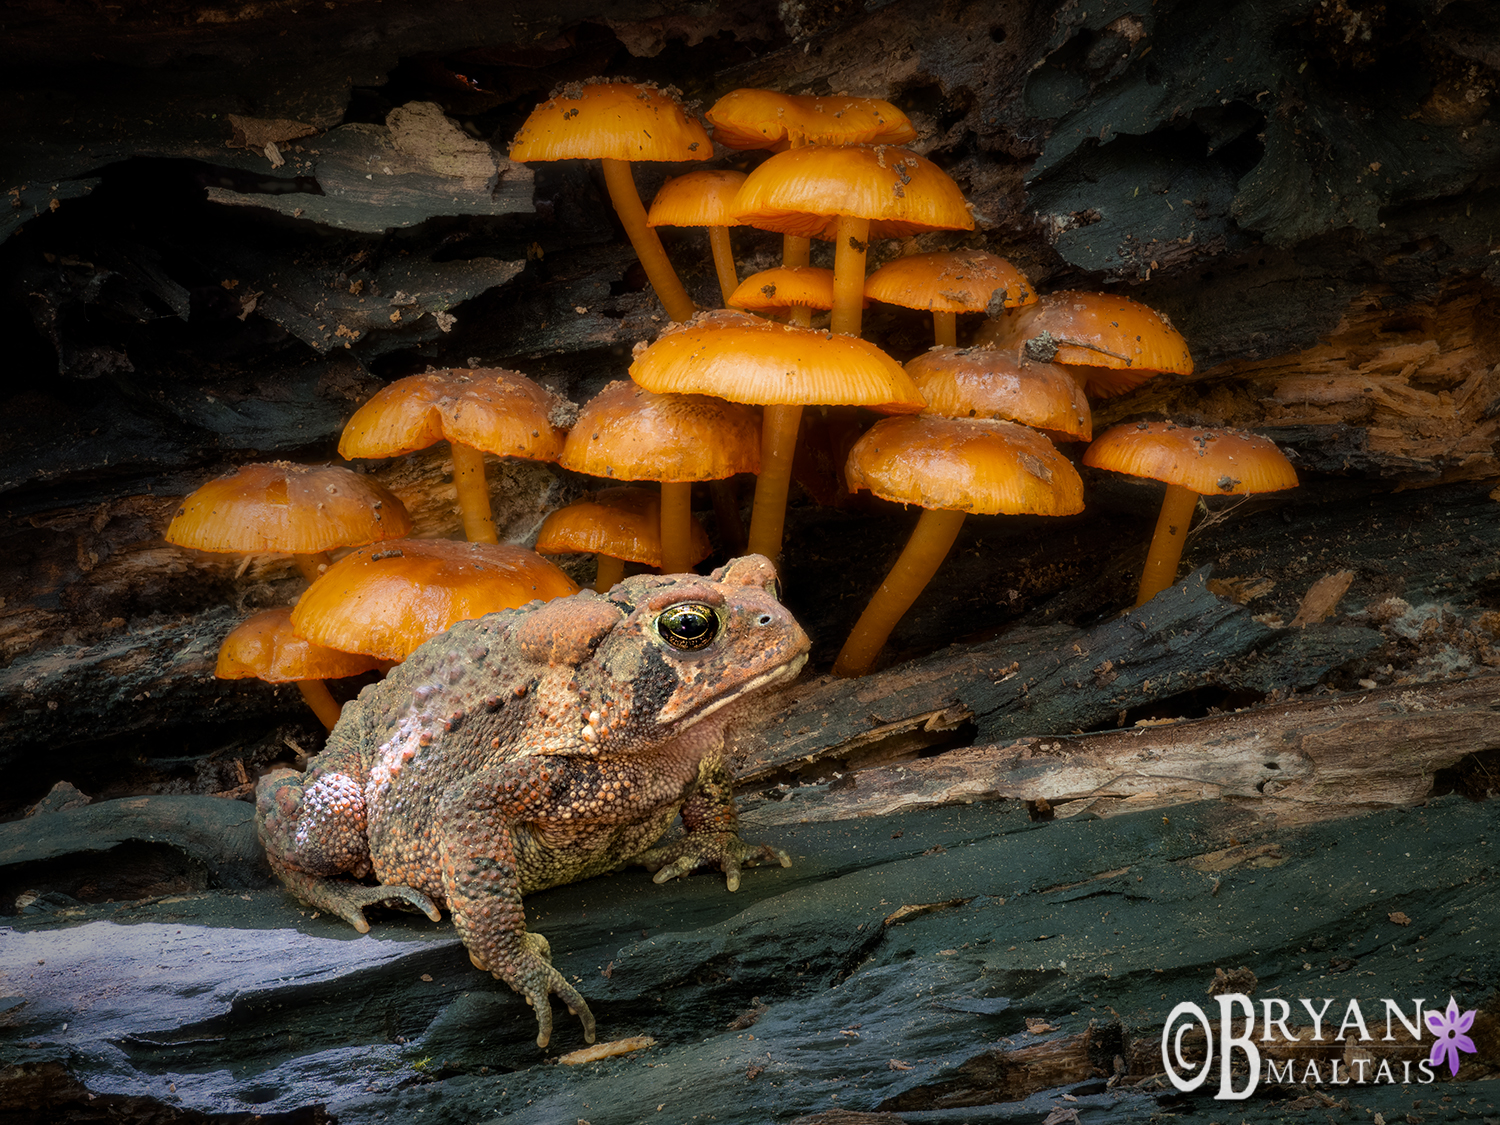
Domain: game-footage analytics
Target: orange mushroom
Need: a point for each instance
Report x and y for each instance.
(265, 648)
(478, 410)
(618, 122)
(386, 600)
(628, 433)
(1113, 344)
(617, 525)
(1193, 461)
(986, 383)
(799, 289)
(782, 368)
(851, 193)
(703, 199)
(748, 118)
(950, 466)
(302, 510)
(949, 282)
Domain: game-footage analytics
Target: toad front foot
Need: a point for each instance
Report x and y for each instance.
(724, 850)
(530, 973)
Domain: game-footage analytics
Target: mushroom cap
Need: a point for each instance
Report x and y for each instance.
(697, 199)
(279, 506)
(1210, 462)
(628, 433)
(488, 408)
(265, 648)
(785, 286)
(624, 523)
(386, 600)
(744, 119)
(950, 281)
(617, 120)
(986, 383)
(775, 364)
(965, 465)
(798, 191)
(1092, 330)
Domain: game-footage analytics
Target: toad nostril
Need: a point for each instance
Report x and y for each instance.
(763, 619)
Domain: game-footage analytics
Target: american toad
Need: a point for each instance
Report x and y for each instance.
(536, 747)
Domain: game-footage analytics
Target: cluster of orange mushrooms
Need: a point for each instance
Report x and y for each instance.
(968, 429)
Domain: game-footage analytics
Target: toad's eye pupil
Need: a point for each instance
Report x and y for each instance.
(688, 626)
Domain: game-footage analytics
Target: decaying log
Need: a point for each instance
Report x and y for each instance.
(1050, 680)
(1286, 763)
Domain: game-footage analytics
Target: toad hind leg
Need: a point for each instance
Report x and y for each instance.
(481, 881)
(316, 831)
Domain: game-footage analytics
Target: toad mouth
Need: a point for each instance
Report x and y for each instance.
(787, 671)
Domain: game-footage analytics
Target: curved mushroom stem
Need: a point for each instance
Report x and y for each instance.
(944, 328)
(851, 241)
(1160, 570)
(729, 278)
(315, 694)
(610, 574)
(676, 527)
(313, 565)
(648, 247)
(473, 494)
(924, 552)
(778, 442)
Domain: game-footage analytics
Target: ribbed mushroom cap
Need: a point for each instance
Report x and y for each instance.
(950, 281)
(1092, 330)
(745, 119)
(901, 193)
(624, 523)
(775, 364)
(488, 408)
(697, 199)
(784, 287)
(618, 120)
(387, 600)
(986, 383)
(965, 465)
(1210, 462)
(628, 433)
(299, 509)
(266, 648)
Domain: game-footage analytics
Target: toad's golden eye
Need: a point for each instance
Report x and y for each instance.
(688, 626)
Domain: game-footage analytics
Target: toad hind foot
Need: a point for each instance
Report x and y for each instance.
(348, 900)
(530, 973)
(724, 850)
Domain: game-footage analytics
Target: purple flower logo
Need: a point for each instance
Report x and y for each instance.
(1449, 1027)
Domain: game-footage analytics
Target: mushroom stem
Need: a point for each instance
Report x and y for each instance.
(315, 694)
(473, 494)
(944, 328)
(778, 442)
(610, 574)
(312, 565)
(676, 527)
(924, 552)
(795, 250)
(851, 241)
(1160, 570)
(648, 247)
(729, 278)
